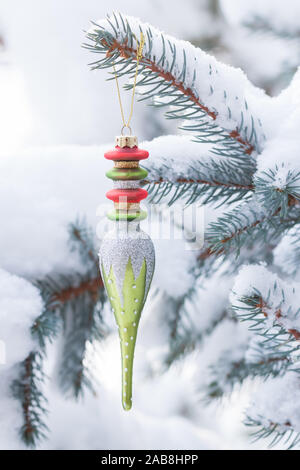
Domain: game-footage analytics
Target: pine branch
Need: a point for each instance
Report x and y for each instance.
(231, 185)
(82, 239)
(28, 390)
(266, 361)
(277, 431)
(177, 74)
(91, 285)
(248, 232)
(248, 223)
(278, 188)
(274, 410)
(258, 311)
(207, 180)
(270, 305)
(232, 230)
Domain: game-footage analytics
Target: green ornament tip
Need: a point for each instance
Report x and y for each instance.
(127, 405)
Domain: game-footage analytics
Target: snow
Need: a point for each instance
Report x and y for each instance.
(212, 305)
(217, 349)
(16, 121)
(20, 304)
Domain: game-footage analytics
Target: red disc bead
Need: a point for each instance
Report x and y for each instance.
(126, 153)
(131, 195)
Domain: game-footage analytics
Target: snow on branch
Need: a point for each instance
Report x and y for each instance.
(28, 389)
(231, 231)
(217, 98)
(274, 411)
(185, 169)
(257, 359)
(275, 190)
(248, 230)
(269, 303)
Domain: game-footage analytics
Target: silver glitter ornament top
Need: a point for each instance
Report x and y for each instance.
(126, 241)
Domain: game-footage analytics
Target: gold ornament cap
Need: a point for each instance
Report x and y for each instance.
(126, 141)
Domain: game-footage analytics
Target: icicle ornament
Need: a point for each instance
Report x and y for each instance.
(127, 253)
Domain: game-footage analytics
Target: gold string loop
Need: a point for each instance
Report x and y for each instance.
(139, 55)
(126, 127)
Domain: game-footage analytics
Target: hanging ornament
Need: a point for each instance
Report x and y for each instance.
(127, 253)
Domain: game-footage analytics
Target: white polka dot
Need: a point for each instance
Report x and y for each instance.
(126, 370)
(125, 383)
(109, 281)
(126, 344)
(124, 394)
(134, 286)
(131, 338)
(125, 329)
(111, 298)
(122, 312)
(126, 356)
(134, 324)
(136, 300)
(135, 312)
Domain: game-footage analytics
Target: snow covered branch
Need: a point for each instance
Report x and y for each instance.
(258, 359)
(269, 303)
(215, 100)
(274, 412)
(27, 388)
(185, 169)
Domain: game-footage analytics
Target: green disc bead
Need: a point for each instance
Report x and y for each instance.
(127, 173)
(116, 215)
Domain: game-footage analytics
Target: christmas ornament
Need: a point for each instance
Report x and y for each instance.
(127, 253)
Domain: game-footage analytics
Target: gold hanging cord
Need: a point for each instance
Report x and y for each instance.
(139, 55)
